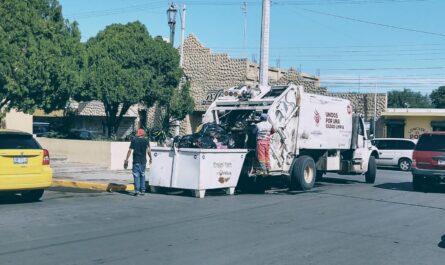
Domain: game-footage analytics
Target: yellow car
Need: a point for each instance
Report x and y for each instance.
(24, 165)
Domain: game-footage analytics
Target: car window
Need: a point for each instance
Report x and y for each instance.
(431, 142)
(382, 144)
(18, 141)
(406, 145)
(392, 145)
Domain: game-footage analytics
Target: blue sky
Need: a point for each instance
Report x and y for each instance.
(354, 45)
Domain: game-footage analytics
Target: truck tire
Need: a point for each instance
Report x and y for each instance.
(418, 182)
(372, 170)
(303, 173)
(405, 164)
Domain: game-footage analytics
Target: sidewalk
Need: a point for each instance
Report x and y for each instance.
(89, 176)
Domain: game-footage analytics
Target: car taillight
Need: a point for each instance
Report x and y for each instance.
(45, 157)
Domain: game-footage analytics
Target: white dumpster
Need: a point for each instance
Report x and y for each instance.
(196, 169)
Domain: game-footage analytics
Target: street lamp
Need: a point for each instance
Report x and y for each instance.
(171, 18)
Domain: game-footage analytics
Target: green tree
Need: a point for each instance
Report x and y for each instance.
(407, 98)
(126, 66)
(178, 106)
(438, 97)
(40, 56)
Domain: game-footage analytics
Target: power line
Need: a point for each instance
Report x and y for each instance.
(375, 23)
(385, 68)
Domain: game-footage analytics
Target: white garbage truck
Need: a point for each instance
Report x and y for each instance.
(314, 134)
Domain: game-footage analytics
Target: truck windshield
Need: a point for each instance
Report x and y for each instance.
(431, 142)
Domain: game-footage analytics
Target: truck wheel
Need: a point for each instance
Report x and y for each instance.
(404, 164)
(372, 170)
(418, 183)
(303, 174)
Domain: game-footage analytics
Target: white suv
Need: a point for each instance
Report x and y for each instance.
(395, 152)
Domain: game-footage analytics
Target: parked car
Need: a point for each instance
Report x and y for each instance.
(395, 152)
(24, 165)
(83, 135)
(40, 128)
(429, 160)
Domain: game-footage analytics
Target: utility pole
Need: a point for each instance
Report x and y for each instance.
(264, 63)
(375, 109)
(244, 9)
(182, 13)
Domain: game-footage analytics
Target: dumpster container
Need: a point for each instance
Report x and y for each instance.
(197, 169)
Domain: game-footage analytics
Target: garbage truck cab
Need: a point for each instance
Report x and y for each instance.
(314, 134)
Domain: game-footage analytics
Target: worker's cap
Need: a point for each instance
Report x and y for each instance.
(263, 117)
(140, 133)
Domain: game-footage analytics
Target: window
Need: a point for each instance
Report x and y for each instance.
(18, 141)
(406, 145)
(383, 145)
(395, 128)
(431, 142)
(394, 144)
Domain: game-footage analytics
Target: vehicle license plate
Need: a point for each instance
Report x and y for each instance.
(441, 162)
(20, 160)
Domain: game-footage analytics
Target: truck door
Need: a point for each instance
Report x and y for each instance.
(361, 152)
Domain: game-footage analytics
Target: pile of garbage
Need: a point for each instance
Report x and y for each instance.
(210, 136)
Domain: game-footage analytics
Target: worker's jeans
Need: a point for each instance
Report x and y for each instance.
(139, 177)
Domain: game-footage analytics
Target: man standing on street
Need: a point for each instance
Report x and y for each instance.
(139, 146)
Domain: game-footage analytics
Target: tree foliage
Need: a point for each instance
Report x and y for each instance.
(438, 97)
(40, 55)
(407, 99)
(181, 103)
(126, 66)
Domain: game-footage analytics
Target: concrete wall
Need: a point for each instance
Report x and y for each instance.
(93, 152)
(101, 153)
(18, 121)
(415, 126)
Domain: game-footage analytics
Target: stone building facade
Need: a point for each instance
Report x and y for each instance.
(210, 73)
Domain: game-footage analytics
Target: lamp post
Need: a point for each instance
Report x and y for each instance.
(171, 19)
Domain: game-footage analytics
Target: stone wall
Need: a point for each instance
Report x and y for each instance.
(211, 73)
(363, 103)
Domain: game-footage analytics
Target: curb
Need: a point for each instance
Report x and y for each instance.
(90, 185)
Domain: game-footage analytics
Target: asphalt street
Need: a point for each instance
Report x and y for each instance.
(342, 221)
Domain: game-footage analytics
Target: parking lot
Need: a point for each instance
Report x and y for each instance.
(341, 221)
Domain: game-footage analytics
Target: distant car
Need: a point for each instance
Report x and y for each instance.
(394, 152)
(24, 165)
(83, 135)
(40, 128)
(429, 160)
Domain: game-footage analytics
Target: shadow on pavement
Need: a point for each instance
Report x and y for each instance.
(13, 199)
(402, 186)
(337, 181)
(407, 186)
(442, 243)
